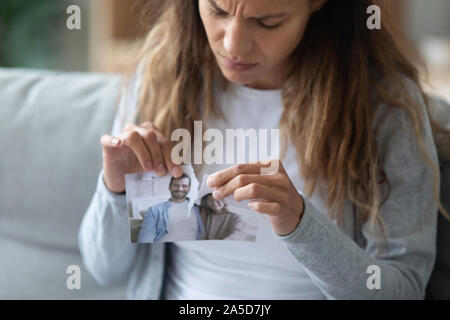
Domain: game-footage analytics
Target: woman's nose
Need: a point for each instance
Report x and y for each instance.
(237, 41)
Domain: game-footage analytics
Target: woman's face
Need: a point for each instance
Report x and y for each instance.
(213, 204)
(241, 31)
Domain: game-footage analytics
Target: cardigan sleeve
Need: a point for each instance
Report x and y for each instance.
(344, 270)
(104, 235)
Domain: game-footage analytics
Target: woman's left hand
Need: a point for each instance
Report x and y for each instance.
(271, 194)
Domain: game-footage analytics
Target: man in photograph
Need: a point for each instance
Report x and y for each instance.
(171, 220)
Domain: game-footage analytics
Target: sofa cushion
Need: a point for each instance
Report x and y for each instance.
(440, 110)
(439, 284)
(50, 127)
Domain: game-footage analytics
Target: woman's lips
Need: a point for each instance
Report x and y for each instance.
(237, 66)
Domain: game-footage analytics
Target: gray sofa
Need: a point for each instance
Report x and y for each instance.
(50, 126)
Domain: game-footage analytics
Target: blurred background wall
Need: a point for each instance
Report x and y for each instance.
(427, 18)
(427, 23)
(34, 35)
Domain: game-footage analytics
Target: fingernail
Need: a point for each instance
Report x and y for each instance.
(115, 141)
(177, 171)
(160, 169)
(149, 166)
(217, 193)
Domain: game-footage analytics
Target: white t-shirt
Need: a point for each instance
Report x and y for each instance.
(182, 225)
(241, 270)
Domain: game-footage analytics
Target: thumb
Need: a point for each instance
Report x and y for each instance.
(108, 141)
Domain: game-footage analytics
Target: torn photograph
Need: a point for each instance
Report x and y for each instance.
(168, 209)
(160, 208)
(226, 219)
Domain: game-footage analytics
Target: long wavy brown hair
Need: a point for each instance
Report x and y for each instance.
(328, 96)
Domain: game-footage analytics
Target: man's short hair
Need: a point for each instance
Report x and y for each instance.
(184, 175)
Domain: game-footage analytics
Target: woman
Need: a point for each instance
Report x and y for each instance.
(357, 187)
(218, 222)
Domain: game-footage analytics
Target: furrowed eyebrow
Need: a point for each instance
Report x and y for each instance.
(270, 16)
(214, 5)
(265, 17)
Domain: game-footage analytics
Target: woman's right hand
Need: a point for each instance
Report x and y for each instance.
(137, 149)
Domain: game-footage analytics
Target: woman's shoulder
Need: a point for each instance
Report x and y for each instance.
(408, 93)
(394, 125)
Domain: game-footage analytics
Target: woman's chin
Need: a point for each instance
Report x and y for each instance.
(237, 77)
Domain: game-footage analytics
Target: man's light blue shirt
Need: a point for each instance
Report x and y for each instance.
(156, 220)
